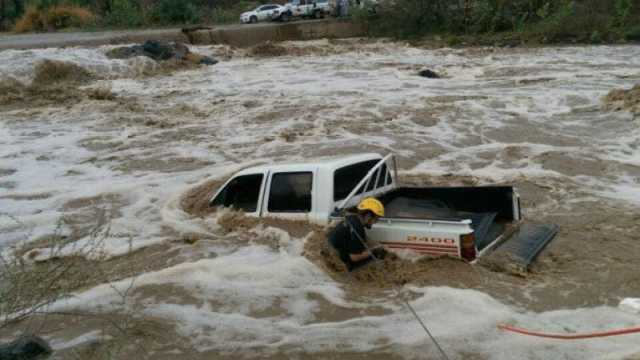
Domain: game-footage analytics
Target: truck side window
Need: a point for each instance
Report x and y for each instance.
(346, 178)
(291, 192)
(241, 193)
(383, 176)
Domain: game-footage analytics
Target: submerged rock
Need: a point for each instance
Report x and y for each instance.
(161, 51)
(24, 348)
(430, 74)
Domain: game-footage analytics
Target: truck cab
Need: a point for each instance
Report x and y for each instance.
(465, 222)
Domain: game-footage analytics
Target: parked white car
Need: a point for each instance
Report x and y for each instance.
(465, 222)
(261, 13)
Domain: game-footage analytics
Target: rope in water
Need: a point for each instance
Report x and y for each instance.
(399, 291)
(569, 336)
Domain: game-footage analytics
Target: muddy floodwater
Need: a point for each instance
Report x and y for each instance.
(111, 173)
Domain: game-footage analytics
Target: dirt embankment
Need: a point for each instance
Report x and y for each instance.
(623, 100)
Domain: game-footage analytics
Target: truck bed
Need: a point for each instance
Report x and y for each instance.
(489, 208)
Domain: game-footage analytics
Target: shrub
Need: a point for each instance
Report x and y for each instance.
(50, 72)
(595, 38)
(65, 16)
(124, 13)
(453, 41)
(225, 14)
(622, 11)
(32, 20)
(54, 18)
(633, 33)
(174, 12)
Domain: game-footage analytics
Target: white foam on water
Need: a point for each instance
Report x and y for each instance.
(92, 336)
(255, 278)
(631, 305)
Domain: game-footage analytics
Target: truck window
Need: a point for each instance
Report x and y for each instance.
(346, 178)
(291, 192)
(382, 180)
(241, 193)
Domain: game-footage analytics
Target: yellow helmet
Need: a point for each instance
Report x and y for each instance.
(372, 204)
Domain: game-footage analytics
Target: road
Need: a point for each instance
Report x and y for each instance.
(60, 39)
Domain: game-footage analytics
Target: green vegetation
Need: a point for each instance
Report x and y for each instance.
(48, 15)
(459, 22)
(539, 21)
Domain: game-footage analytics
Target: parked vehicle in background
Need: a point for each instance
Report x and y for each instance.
(314, 9)
(261, 13)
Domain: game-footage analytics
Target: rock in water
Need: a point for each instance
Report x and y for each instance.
(206, 60)
(125, 52)
(24, 348)
(160, 51)
(429, 74)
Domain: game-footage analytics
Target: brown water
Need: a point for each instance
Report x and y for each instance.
(143, 162)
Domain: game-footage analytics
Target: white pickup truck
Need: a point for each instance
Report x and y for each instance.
(466, 222)
(316, 9)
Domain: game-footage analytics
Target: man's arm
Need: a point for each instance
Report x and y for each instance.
(359, 257)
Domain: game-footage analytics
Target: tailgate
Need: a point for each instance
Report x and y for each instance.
(521, 247)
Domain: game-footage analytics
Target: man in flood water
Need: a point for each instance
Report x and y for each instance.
(349, 236)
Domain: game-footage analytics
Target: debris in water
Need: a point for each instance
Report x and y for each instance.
(54, 83)
(430, 74)
(268, 49)
(196, 200)
(623, 100)
(25, 347)
(53, 72)
(101, 93)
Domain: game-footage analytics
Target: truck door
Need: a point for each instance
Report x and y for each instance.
(289, 195)
(242, 192)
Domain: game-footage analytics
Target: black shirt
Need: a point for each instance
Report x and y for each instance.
(343, 238)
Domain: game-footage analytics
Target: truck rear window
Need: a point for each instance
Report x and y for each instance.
(291, 192)
(346, 178)
(241, 193)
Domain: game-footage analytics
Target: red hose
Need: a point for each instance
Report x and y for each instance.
(572, 336)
